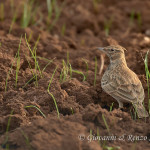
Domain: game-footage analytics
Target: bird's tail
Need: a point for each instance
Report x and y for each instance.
(141, 111)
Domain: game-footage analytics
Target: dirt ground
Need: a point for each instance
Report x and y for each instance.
(84, 108)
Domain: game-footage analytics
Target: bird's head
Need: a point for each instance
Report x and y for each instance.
(114, 52)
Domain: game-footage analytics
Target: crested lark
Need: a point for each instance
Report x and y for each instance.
(122, 83)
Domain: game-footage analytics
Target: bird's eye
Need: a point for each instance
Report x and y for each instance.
(112, 50)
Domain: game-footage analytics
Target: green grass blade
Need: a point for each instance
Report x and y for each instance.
(87, 68)
(52, 78)
(26, 139)
(28, 82)
(70, 71)
(98, 135)
(81, 73)
(111, 107)
(57, 13)
(34, 56)
(72, 111)
(107, 26)
(147, 77)
(139, 19)
(13, 21)
(63, 29)
(33, 106)
(132, 16)
(50, 8)
(58, 114)
(47, 65)
(48, 90)
(103, 117)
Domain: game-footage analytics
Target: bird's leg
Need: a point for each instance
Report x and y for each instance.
(120, 104)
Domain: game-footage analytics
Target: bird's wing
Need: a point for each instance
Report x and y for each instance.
(124, 87)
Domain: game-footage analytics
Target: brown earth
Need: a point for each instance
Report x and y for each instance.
(80, 103)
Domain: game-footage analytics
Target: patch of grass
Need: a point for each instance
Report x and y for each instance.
(33, 106)
(34, 56)
(13, 21)
(29, 13)
(67, 71)
(26, 15)
(7, 129)
(64, 72)
(50, 4)
(2, 12)
(95, 71)
(57, 12)
(136, 16)
(36, 12)
(147, 78)
(37, 67)
(33, 78)
(48, 90)
(18, 62)
(26, 139)
(36, 63)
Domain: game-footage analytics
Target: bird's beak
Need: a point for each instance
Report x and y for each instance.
(101, 49)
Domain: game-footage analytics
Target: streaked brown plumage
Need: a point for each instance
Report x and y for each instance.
(122, 83)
